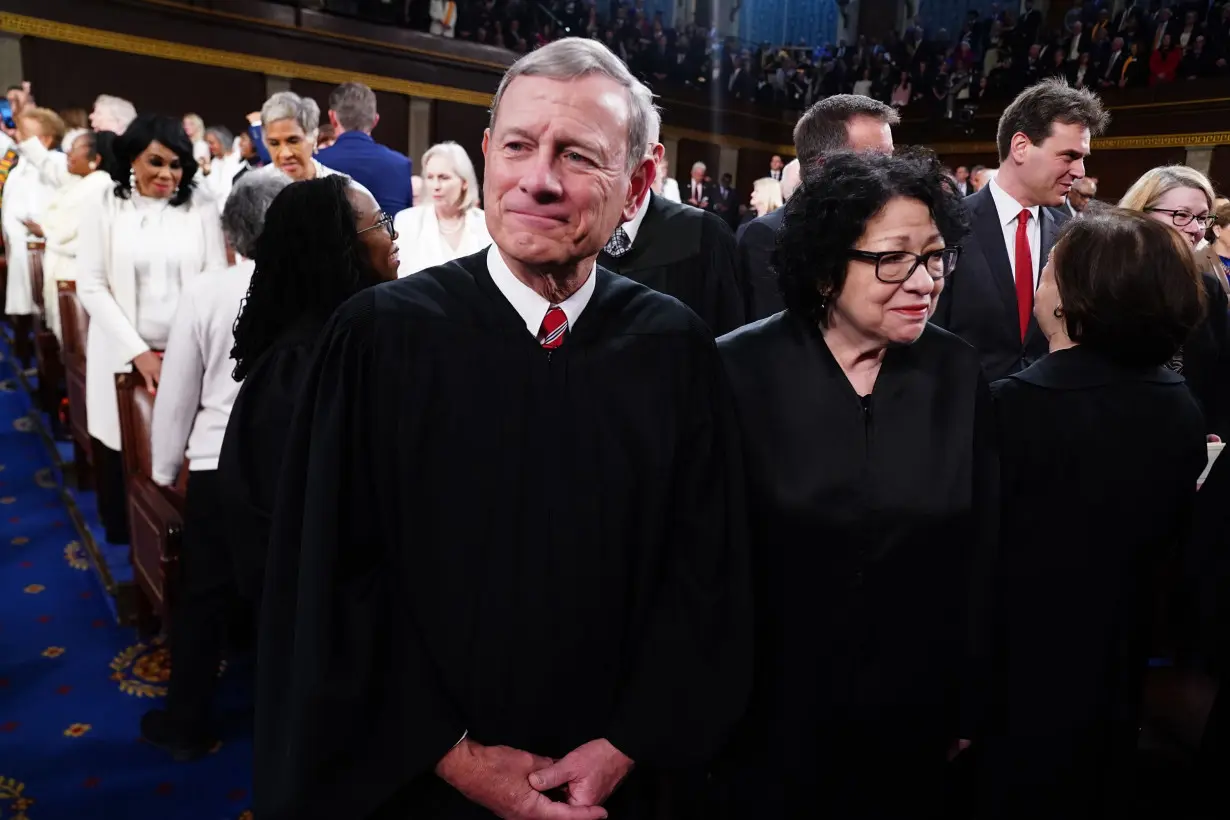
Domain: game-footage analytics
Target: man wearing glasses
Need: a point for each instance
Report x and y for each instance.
(1043, 140)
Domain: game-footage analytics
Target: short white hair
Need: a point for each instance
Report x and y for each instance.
(699, 166)
(287, 105)
(572, 58)
(66, 144)
(790, 178)
(462, 167)
(118, 109)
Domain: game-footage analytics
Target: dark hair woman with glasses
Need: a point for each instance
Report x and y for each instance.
(867, 437)
(1181, 198)
(1101, 446)
(324, 240)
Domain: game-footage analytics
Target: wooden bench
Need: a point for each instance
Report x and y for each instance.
(74, 325)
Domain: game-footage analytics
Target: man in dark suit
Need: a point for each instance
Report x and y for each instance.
(726, 205)
(381, 170)
(1108, 74)
(700, 193)
(1043, 140)
(840, 122)
(680, 251)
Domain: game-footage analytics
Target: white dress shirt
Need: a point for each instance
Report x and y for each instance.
(197, 392)
(159, 280)
(528, 303)
(422, 245)
(670, 189)
(1008, 208)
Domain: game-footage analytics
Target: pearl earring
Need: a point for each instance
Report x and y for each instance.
(93, 165)
(132, 180)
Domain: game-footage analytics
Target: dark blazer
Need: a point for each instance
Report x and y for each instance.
(730, 203)
(380, 170)
(688, 254)
(709, 194)
(1206, 358)
(979, 301)
(756, 241)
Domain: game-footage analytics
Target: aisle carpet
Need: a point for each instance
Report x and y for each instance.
(73, 683)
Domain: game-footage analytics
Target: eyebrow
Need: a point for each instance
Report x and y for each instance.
(563, 140)
(903, 239)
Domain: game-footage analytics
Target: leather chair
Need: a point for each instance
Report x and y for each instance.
(74, 325)
(46, 346)
(155, 514)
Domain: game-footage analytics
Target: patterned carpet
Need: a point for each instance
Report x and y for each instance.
(73, 683)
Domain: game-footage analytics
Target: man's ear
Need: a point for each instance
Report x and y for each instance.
(642, 181)
(486, 140)
(333, 119)
(375, 122)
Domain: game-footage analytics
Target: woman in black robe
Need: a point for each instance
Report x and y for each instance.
(871, 477)
(324, 240)
(1101, 446)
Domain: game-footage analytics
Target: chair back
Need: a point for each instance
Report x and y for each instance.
(136, 425)
(74, 321)
(34, 249)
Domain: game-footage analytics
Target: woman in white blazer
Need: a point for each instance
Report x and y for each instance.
(26, 193)
(138, 248)
(451, 225)
(87, 176)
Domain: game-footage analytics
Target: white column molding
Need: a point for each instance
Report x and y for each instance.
(1199, 158)
(420, 131)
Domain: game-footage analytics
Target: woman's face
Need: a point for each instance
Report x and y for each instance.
(1183, 200)
(158, 171)
(246, 149)
(377, 240)
(81, 161)
(443, 183)
(1046, 300)
(757, 202)
(1221, 239)
(216, 149)
(891, 313)
(290, 149)
(190, 129)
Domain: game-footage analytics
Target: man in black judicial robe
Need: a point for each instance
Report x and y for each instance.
(683, 252)
(509, 526)
(849, 122)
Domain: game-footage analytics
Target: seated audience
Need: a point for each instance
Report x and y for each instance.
(190, 417)
(1097, 427)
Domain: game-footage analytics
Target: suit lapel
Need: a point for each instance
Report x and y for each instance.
(991, 239)
(1048, 226)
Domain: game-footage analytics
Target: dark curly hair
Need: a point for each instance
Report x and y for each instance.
(308, 261)
(149, 128)
(826, 216)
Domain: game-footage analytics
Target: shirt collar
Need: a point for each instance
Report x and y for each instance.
(1007, 207)
(634, 224)
(528, 303)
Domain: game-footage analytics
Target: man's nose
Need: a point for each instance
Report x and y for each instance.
(541, 179)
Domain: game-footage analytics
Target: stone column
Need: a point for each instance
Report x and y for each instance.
(420, 131)
(274, 85)
(728, 163)
(671, 152)
(11, 72)
(1200, 158)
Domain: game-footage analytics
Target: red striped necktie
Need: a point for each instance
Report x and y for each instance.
(554, 328)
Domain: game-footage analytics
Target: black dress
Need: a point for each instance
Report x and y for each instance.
(872, 521)
(1099, 465)
(1205, 360)
(475, 534)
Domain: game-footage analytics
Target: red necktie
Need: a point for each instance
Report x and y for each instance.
(1024, 272)
(554, 327)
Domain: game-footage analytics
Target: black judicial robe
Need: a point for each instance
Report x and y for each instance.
(1099, 464)
(473, 534)
(251, 456)
(687, 253)
(872, 523)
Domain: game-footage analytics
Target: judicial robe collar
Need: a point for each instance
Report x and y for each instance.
(529, 304)
(1079, 367)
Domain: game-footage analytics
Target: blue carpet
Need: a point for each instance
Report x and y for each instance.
(73, 683)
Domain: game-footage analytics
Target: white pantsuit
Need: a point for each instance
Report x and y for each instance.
(26, 194)
(134, 257)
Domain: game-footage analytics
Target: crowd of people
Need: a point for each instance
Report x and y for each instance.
(559, 499)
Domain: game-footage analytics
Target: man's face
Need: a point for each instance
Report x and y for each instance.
(1049, 168)
(556, 184)
(962, 174)
(776, 163)
(869, 134)
(698, 173)
(1080, 195)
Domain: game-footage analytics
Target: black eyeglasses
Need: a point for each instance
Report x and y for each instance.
(385, 221)
(894, 267)
(1183, 218)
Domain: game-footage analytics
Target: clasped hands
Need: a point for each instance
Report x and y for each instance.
(513, 784)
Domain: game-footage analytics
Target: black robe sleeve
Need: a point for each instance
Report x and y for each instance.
(984, 541)
(726, 300)
(693, 676)
(349, 709)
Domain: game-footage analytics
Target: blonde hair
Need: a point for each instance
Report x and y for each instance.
(462, 167)
(48, 120)
(1157, 182)
(770, 191)
(198, 126)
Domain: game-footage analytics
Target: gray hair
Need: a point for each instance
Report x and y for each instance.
(119, 109)
(223, 134)
(355, 106)
(644, 97)
(572, 58)
(287, 105)
(699, 166)
(462, 167)
(243, 218)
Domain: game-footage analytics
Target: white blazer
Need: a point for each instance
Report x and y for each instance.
(26, 194)
(421, 244)
(670, 189)
(107, 287)
(61, 221)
